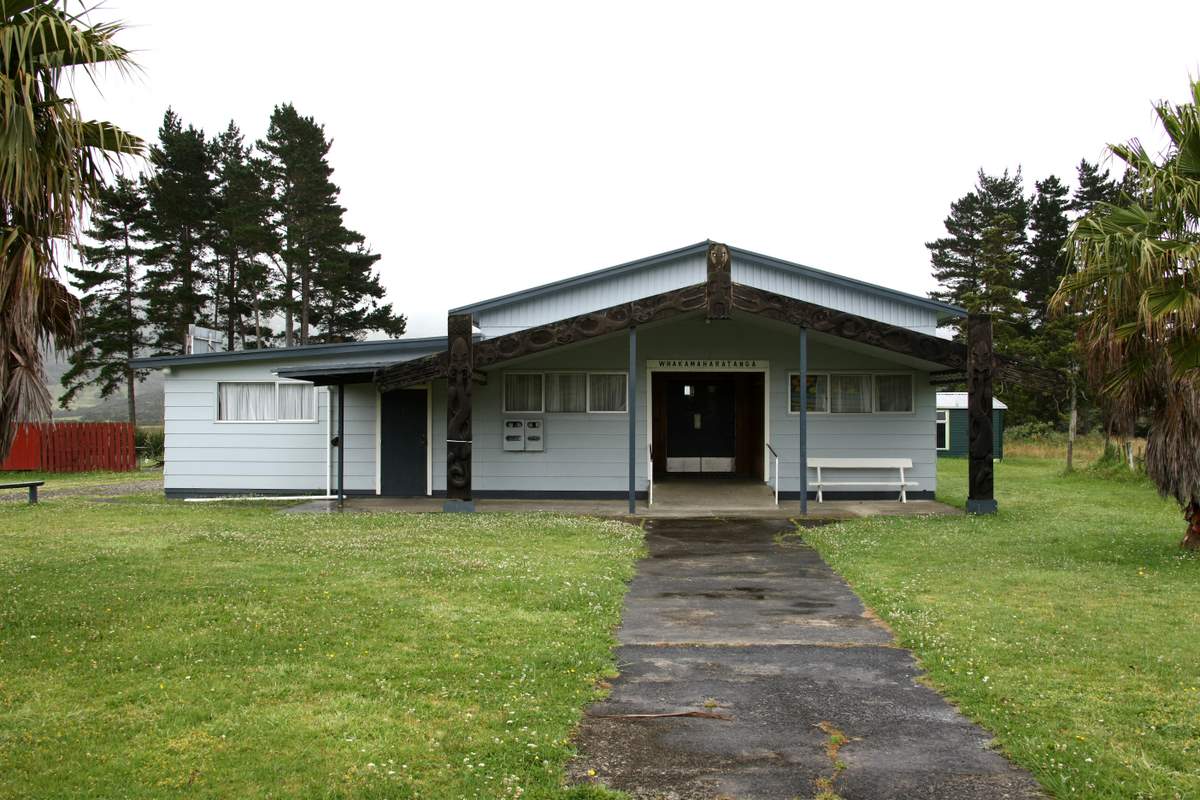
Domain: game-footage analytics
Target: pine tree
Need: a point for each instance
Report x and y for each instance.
(978, 262)
(1045, 261)
(329, 288)
(1094, 186)
(113, 330)
(180, 284)
(242, 235)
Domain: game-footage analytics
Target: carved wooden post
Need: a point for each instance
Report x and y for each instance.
(718, 288)
(460, 368)
(980, 364)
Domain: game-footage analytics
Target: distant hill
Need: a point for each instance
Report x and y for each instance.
(88, 407)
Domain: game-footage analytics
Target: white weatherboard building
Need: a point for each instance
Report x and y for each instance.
(735, 357)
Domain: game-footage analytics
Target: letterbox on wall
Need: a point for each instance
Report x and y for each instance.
(533, 436)
(514, 435)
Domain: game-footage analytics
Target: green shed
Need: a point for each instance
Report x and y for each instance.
(952, 425)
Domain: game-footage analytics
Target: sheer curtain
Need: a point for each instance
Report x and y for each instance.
(818, 393)
(566, 392)
(850, 394)
(297, 401)
(606, 392)
(523, 392)
(893, 393)
(246, 401)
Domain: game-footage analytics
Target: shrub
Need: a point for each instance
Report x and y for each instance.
(149, 442)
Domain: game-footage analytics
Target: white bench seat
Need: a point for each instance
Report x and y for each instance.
(898, 464)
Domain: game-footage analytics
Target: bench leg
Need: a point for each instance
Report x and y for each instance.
(903, 487)
(820, 491)
(33, 495)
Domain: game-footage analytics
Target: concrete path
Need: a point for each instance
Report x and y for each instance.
(812, 696)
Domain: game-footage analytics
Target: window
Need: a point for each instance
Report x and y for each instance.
(566, 392)
(523, 392)
(297, 402)
(850, 394)
(607, 392)
(894, 394)
(818, 394)
(943, 429)
(263, 401)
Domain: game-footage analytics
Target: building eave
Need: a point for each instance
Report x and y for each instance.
(380, 347)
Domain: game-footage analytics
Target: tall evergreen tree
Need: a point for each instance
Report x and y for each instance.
(979, 261)
(179, 284)
(1045, 262)
(329, 288)
(113, 324)
(1094, 185)
(242, 235)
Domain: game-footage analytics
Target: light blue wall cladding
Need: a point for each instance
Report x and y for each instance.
(588, 452)
(580, 299)
(833, 295)
(210, 456)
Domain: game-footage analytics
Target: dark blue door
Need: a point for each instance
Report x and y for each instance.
(403, 443)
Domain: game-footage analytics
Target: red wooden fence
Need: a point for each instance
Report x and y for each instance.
(72, 447)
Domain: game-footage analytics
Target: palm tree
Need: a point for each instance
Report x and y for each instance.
(1135, 279)
(51, 165)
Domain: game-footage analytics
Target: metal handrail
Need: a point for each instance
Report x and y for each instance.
(776, 456)
(650, 473)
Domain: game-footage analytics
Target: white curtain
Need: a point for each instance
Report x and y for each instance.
(245, 401)
(850, 394)
(607, 392)
(566, 392)
(523, 392)
(297, 401)
(893, 393)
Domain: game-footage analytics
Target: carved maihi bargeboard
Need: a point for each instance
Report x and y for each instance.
(849, 326)
(588, 326)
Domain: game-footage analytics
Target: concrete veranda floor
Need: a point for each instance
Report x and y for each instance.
(672, 499)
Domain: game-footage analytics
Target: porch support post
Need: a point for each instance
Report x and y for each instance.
(632, 403)
(803, 420)
(460, 367)
(980, 365)
(341, 440)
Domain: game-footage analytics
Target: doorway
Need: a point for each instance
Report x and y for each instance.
(708, 424)
(403, 443)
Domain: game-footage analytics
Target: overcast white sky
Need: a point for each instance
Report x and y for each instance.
(488, 147)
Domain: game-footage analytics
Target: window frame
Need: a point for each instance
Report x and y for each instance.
(275, 402)
(796, 374)
(942, 417)
(624, 375)
(912, 394)
(504, 390)
(873, 400)
(543, 373)
(545, 389)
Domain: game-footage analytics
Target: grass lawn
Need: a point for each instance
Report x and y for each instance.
(155, 649)
(1068, 624)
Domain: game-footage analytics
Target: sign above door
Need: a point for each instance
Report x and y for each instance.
(726, 364)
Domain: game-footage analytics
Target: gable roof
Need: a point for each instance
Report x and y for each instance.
(944, 310)
(391, 349)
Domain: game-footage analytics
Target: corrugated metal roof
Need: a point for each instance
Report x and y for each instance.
(382, 347)
(959, 400)
(944, 309)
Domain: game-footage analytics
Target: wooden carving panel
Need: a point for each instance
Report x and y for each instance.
(849, 326)
(459, 370)
(980, 478)
(410, 373)
(718, 288)
(588, 326)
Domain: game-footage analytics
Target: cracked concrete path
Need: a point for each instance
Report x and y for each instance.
(723, 619)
